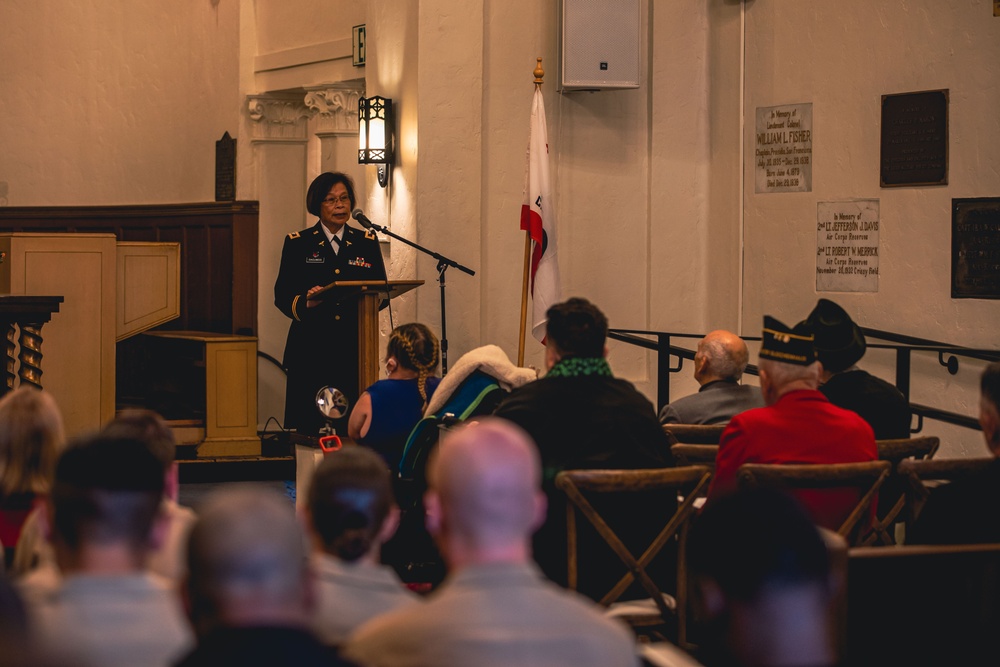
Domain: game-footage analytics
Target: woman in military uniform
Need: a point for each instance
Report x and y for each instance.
(322, 345)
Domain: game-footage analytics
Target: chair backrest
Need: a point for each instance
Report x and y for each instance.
(865, 477)
(695, 455)
(927, 605)
(694, 434)
(917, 474)
(687, 481)
(893, 494)
(894, 451)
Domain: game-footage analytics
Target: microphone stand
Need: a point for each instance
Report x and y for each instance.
(444, 263)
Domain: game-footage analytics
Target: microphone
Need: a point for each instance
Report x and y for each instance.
(360, 216)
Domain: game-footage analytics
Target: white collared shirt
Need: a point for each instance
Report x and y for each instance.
(329, 237)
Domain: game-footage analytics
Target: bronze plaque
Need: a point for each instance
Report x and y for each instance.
(975, 248)
(225, 168)
(915, 139)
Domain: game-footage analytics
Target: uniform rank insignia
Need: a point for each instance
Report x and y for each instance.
(370, 235)
(315, 258)
(294, 235)
(360, 261)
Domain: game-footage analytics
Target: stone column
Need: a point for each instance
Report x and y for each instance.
(279, 136)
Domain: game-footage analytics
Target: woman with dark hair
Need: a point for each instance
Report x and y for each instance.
(389, 409)
(322, 344)
(351, 514)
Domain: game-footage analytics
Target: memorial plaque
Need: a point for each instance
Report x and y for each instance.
(225, 168)
(847, 245)
(783, 153)
(914, 139)
(975, 248)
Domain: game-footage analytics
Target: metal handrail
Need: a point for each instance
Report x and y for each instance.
(902, 344)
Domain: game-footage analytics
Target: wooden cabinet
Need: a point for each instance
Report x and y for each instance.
(216, 374)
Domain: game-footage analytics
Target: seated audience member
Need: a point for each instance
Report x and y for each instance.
(166, 559)
(582, 417)
(798, 425)
(351, 513)
(31, 434)
(169, 559)
(494, 608)
(249, 587)
(840, 344)
(389, 409)
(719, 363)
(763, 579)
(965, 512)
(108, 610)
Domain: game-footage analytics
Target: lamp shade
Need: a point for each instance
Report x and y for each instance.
(375, 130)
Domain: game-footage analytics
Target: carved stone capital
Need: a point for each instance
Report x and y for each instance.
(336, 107)
(278, 117)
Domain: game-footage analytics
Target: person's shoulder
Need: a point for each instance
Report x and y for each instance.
(385, 632)
(365, 237)
(303, 235)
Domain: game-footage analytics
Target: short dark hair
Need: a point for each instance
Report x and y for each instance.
(320, 188)
(107, 489)
(577, 328)
(989, 385)
(149, 427)
(752, 539)
(350, 496)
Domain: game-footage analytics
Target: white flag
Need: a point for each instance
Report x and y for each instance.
(538, 218)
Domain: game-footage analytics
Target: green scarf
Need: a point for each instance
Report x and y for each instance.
(577, 366)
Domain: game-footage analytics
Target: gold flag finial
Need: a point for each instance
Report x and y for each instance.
(539, 72)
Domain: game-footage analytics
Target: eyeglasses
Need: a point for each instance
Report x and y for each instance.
(343, 199)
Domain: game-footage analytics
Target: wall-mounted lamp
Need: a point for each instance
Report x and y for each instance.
(375, 135)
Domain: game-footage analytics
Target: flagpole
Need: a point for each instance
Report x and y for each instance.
(539, 75)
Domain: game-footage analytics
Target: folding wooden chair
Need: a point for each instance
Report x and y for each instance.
(920, 476)
(694, 434)
(689, 481)
(695, 455)
(893, 494)
(866, 477)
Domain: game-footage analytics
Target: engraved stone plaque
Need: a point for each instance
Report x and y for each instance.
(783, 149)
(225, 168)
(975, 248)
(847, 245)
(914, 139)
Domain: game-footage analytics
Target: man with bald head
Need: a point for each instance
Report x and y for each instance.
(495, 607)
(719, 363)
(249, 591)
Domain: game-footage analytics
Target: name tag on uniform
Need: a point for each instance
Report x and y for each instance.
(316, 258)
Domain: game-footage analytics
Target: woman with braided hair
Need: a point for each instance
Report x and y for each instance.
(389, 409)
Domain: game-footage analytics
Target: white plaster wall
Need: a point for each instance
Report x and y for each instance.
(115, 102)
(449, 166)
(842, 57)
(289, 24)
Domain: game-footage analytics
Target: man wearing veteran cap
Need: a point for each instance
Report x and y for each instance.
(798, 425)
(839, 345)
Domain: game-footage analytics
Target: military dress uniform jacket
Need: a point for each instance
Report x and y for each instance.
(322, 344)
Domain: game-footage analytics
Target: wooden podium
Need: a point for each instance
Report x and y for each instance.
(371, 296)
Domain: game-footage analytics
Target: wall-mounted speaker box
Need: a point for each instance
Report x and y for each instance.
(600, 44)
